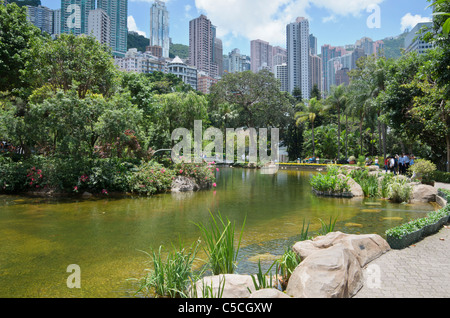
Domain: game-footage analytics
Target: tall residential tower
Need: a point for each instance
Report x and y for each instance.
(159, 27)
(117, 11)
(297, 34)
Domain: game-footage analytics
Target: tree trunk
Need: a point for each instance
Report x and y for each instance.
(384, 128)
(447, 139)
(339, 133)
(361, 136)
(313, 143)
(346, 136)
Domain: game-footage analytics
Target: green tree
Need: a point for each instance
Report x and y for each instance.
(255, 98)
(338, 100)
(16, 38)
(70, 61)
(309, 112)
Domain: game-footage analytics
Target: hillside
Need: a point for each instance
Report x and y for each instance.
(393, 46)
(22, 3)
(140, 42)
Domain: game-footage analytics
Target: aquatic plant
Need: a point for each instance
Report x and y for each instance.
(221, 247)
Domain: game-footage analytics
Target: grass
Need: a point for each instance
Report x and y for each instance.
(171, 276)
(327, 228)
(286, 266)
(221, 247)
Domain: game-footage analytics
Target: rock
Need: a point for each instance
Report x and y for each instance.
(268, 293)
(355, 189)
(329, 273)
(86, 195)
(346, 167)
(234, 286)
(184, 184)
(365, 248)
(373, 168)
(424, 193)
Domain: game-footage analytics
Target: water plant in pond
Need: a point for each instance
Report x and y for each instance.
(170, 277)
(220, 245)
(327, 228)
(286, 265)
(304, 233)
(262, 280)
(330, 182)
(399, 190)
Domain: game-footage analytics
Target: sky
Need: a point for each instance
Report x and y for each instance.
(334, 22)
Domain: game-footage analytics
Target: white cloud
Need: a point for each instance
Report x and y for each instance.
(133, 27)
(267, 19)
(409, 21)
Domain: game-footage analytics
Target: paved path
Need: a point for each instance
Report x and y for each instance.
(419, 271)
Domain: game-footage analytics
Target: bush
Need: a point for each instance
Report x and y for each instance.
(330, 182)
(399, 190)
(440, 176)
(150, 178)
(368, 183)
(423, 168)
(202, 173)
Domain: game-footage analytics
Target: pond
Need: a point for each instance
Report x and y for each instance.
(106, 237)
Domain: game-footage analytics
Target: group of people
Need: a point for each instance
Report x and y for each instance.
(399, 164)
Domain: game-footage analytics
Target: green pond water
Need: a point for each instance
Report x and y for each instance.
(40, 238)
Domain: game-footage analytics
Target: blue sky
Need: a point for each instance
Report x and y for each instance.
(334, 22)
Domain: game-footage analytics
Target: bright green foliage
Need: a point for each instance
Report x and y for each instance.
(16, 38)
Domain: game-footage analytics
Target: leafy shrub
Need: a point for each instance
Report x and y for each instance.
(423, 168)
(399, 190)
(150, 178)
(403, 230)
(13, 176)
(440, 176)
(368, 183)
(330, 182)
(384, 186)
(201, 173)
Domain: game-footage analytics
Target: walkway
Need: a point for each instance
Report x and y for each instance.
(419, 271)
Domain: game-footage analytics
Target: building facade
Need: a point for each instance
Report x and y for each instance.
(138, 62)
(159, 27)
(99, 25)
(298, 56)
(41, 17)
(117, 11)
(205, 49)
(186, 73)
(414, 41)
(281, 74)
(261, 56)
(316, 70)
(74, 16)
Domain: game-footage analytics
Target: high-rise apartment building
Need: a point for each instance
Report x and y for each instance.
(297, 34)
(205, 50)
(159, 27)
(117, 11)
(281, 74)
(41, 17)
(414, 41)
(56, 22)
(312, 45)
(329, 52)
(279, 56)
(74, 16)
(99, 25)
(315, 70)
(261, 54)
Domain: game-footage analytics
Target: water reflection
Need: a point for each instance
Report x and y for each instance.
(41, 237)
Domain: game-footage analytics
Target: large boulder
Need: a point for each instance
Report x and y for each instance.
(184, 184)
(424, 193)
(230, 285)
(365, 248)
(268, 293)
(329, 273)
(355, 189)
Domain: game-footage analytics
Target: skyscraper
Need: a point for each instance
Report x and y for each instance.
(261, 53)
(99, 25)
(41, 17)
(205, 50)
(74, 15)
(117, 11)
(298, 56)
(159, 27)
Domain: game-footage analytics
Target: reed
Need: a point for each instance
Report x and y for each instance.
(221, 247)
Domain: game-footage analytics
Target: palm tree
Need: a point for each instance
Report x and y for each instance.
(338, 100)
(309, 113)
